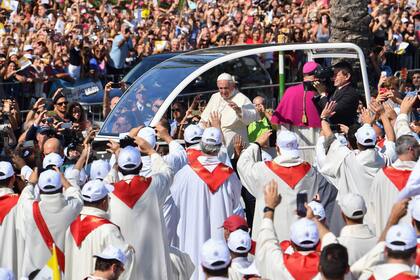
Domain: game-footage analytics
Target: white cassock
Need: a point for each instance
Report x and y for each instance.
(93, 232)
(136, 207)
(236, 266)
(182, 266)
(176, 159)
(351, 172)
(232, 123)
(206, 192)
(386, 187)
(372, 266)
(8, 241)
(358, 239)
(57, 211)
(292, 175)
(273, 262)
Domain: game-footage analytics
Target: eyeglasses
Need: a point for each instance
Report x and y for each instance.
(63, 103)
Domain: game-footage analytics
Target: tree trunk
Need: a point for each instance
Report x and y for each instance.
(350, 23)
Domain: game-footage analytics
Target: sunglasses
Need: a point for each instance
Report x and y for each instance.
(62, 103)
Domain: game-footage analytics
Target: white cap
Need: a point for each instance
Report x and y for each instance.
(6, 170)
(193, 131)
(401, 237)
(28, 48)
(287, 142)
(250, 270)
(148, 134)
(404, 20)
(304, 233)
(212, 136)
(318, 209)
(112, 253)
(68, 173)
(49, 181)
(129, 156)
(341, 139)
(99, 169)
(13, 52)
(225, 77)
(45, 2)
(215, 251)
(52, 159)
(95, 190)
(415, 208)
(353, 206)
(366, 135)
(239, 241)
(6, 274)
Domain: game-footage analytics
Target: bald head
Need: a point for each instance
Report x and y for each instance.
(52, 145)
(259, 104)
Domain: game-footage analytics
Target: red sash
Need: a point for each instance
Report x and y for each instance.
(302, 267)
(7, 202)
(290, 175)
(418, 255)
(46, 234)
(193, 154)
(213, 179)
(81, 228)
(380, 142)
(406, 275)
(398, 177)
(132, 192)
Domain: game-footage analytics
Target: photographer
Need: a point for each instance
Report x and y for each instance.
(345, 96)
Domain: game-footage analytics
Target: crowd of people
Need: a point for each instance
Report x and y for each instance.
(45, 42)
(239, 200)
(224, 188)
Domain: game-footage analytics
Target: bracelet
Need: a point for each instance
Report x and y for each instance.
(325, 119)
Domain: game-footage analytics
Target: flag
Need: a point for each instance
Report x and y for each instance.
(50, 271)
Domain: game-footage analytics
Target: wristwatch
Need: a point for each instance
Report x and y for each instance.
(268, 209)
(325, 119)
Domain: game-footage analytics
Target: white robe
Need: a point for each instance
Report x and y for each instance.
(269, 256)
(358, 239)
(143, 226)
(383, 196)
(232, 123)
(202, 212)
(182, 266)
(386, 271)
(8, 241)
(255, 175)
(80, 261)
(236, 265)
(58, 211)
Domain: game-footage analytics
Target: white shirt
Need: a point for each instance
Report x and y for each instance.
(358, 239)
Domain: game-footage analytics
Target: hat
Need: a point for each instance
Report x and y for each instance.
(401, 237)
(112, 253)
(13, 52)
(304, 233)
(353, 206)
(404, 20)
(193, 134)
(95, 190)
(309, 67)
(235, 222)
(225, 77)
(212, 136)
(415, 210)
(129, 158)
(99, 169)
(58, 96)
(239, 241)
(215, 254)
(6, 170)
(148, 134)
(366, 135)
(318, 209)
(52, 159)
(28, 56)
(6, 274)
(287, 143)
(49, 181)
(28, 48)
(81, 180)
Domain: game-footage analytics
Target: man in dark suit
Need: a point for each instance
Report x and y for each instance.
(345, 96)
